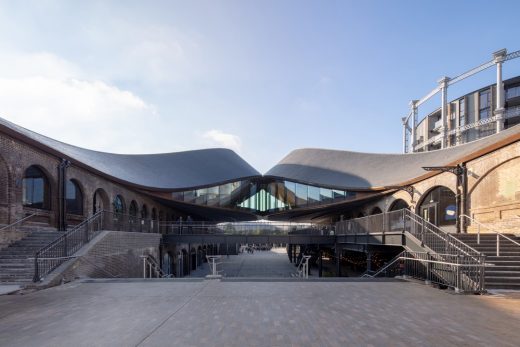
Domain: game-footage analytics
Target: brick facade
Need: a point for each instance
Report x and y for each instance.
(16, 156)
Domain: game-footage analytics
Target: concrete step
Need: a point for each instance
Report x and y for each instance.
(512, 286)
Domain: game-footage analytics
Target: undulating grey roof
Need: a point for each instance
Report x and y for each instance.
(161, 171)
(370, 170)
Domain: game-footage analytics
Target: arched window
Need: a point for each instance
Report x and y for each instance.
(144, 212)
(36, 190)
(438, 207)
(398, 204)
(74, 198)
(132, 211)
(100, 200)
(119, 206)
(376, 210)
(154, 214)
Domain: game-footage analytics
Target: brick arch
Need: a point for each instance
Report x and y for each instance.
(51, 185)
(100, 200)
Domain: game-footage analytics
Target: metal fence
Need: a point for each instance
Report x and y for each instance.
(244, 228)
(427, 233)
(58, 251)
(461, 273)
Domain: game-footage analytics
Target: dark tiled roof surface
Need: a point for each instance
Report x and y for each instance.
(370, 170)
(162, 171)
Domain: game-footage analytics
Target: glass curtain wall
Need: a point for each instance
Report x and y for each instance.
(263, 196)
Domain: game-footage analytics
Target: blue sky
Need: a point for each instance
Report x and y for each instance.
(260, 77)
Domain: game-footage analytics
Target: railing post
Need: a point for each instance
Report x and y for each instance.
(85, 233)
(144, 267)
(36, 277)
(457, 276)
(498, 245)
(65, 250)
(478, 235)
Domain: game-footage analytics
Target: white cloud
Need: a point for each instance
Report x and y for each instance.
(49, 95)
(222, 139)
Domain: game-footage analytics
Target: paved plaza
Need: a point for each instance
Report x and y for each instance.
(273, 263)
(249, 313)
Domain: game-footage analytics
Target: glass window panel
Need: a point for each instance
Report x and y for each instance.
(325, 195)
(189, 196)
(179, 196)
(74, 198)
(290, 194)
(301, 194)
(201, 196)
(338, 195)
(212, 196)
(314, 195)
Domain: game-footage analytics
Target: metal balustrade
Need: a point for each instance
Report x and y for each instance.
(461, 273)
(63, 248)
(18, 223)
(429, 234)
(488, 230)
(243, 228)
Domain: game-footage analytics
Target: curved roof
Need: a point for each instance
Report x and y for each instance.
(354, 170)
(170, 171)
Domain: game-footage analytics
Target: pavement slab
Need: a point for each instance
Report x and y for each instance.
(257, 313)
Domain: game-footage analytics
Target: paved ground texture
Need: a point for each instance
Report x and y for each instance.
(249, 313)
(274, 263)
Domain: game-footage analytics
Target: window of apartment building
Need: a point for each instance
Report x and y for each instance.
(484, 104)
(512, 92)
(462, 112)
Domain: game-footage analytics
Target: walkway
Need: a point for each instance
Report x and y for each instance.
(215, 313)
(263, 264)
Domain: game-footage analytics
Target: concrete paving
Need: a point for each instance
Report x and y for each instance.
(246, 313)
(273, 263)
(9, 288)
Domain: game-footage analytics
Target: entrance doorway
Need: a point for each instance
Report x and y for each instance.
(429, 213)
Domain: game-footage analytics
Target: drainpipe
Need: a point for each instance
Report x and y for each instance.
(62, 191)
(462, 182)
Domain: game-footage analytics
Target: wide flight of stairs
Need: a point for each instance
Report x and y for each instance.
(504, 273)
(15, 263)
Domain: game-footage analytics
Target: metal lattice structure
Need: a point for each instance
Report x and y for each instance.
(410, 141)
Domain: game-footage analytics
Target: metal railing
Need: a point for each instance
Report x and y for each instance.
(302, 270)
(489, 230)
(405, 220)
(461, 273)
(60, 250)
(18, 222)
(244, 228)
(151, 269)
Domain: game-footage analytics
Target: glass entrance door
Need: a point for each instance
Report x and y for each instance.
(429, 213)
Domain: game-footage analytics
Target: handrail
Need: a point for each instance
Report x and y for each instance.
(466, 249)
(386, 266)
(462, 273)
(19, 221)
(152, 264)
(56, 252)
(479, 224)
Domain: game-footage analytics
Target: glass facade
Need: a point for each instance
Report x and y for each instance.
(484, 104)
(512, 92)
(263, 196)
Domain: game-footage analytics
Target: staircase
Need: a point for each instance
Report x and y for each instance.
(504, 273)
(15, 262)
